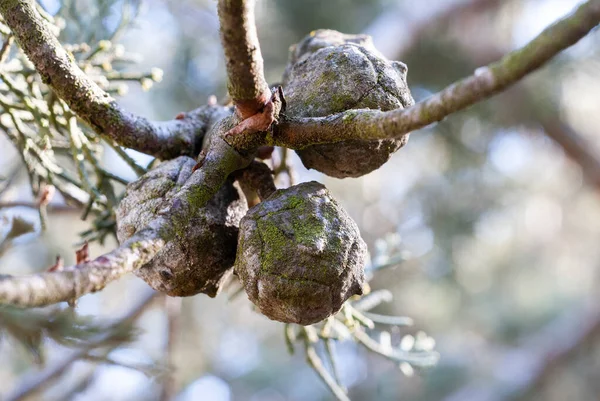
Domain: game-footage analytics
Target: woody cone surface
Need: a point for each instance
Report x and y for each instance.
(330, 72)
(300, 255)
(200, 254)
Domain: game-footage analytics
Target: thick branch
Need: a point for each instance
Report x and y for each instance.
(247, 85)
(484, 83)
(73, 282)
(93, 105)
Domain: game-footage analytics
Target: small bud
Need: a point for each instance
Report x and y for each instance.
(146, 83)
(57, 266)
(407, 369)
(105, 45)
(82, 255)
(46, 195)
(107, 66)
(157, 74)
(122, 89)
(119, 50)
(102, 81)
(407, 343)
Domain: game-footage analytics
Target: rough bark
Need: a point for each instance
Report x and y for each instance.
(227, 154)
(246, 83)
(300, 255)
(164, 140)
(330, 72)
(484, 83)
(258, 178)
(75, 281)
(198, 256)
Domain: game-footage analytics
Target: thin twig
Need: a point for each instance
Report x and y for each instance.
(285, 166)
(414, 358)
(316, 363)
(5, 50)
(139, 170)
(257, 177)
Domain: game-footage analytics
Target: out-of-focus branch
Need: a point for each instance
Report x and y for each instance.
(399, 29)
(528, 367)
(37, 382)
(576, 148)
(92, 104)
(246, 82)
(173, 312)
(57, 208)
(522, 104)
(485, 82)
(73, 282)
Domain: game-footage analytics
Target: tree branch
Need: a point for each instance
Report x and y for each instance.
(247, 85)
(484, 83)
(75, 281)
(257, 177)
(227, 149)
(576, 148)
(92, 104)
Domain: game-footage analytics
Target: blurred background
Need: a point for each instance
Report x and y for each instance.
(496, 211)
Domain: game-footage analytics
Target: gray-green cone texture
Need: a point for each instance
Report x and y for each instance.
(199, 255)
(330, 72)
(300, 255)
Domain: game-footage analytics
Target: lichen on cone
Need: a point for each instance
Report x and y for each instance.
(199, 255)
(330, 72)
(300, 255)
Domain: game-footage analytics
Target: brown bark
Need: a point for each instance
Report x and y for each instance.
(227, 154)
(246, 82)
(164, 140)
(75, 281)
(484, 83)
